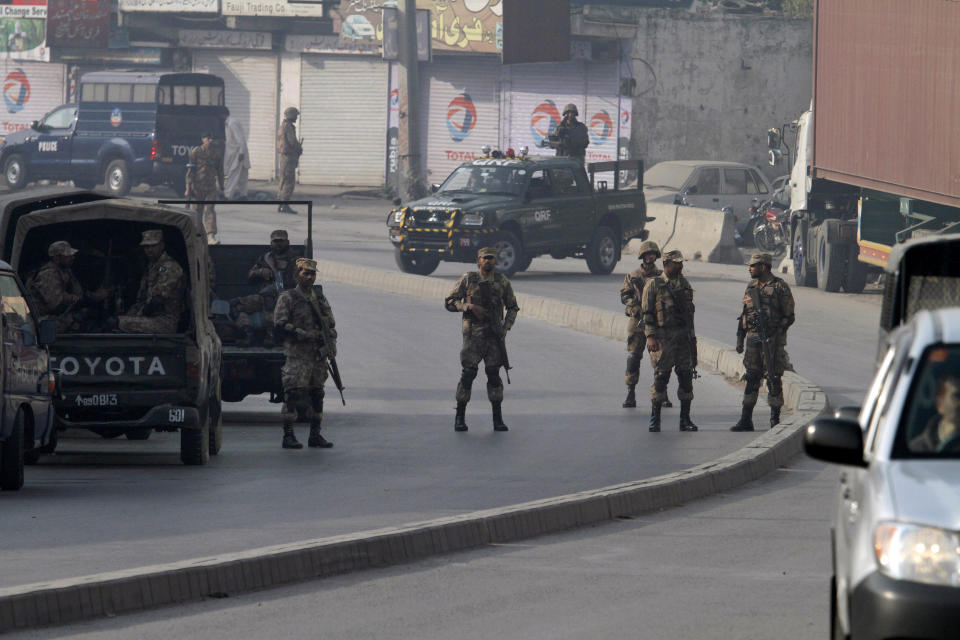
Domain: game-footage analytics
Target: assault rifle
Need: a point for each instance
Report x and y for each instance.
(683, 305)
(496, 324)
(758, 322)
(327, 339)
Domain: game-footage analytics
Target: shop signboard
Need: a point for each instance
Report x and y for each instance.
(273, 8)
(223, 39)
(170, 6)
(82, 25)
(328, 44)
(23, 30)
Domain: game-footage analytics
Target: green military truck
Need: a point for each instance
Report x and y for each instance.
(524, 207)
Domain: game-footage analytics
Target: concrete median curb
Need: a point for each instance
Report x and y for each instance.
(69, 600)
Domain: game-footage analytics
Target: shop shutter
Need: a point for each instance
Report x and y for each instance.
(30, 90)
(601, 111)
(250, 81)
(343, 120)
(461, 100)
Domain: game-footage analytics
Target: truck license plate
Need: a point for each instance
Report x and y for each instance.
(464, 242)
(97, 400)
(177, 415)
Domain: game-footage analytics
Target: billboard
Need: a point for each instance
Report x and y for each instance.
(80, 25)
(23, 30)
(29, 90)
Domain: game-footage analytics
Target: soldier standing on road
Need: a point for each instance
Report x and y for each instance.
(631, 295)
(55, 292)
(777, 309)
(205, 182)
(305, 318)
(671, 339)
(290, 150)
(571, 137)
(160, 297)
(482, 297)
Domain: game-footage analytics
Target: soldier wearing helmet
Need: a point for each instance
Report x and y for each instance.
(570, 138)
(631, 295)
(290, 150)
(55, 291)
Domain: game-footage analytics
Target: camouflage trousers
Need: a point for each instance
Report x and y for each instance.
(674, 354)
(145, 324)
(288, 176)
(303, 380)
(754, 363)
(477, 348)
(636, 344)
(208, 214)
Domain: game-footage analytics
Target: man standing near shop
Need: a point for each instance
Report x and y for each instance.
(205, 182)
(290, 150)
(767, 313)
(482, 296)
(671, 339)
(236, 158)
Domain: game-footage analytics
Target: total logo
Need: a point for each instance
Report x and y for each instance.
(16, 90)
(394, 98)
(461, 117)
(544, 120)
(600, 128)
(624, 118)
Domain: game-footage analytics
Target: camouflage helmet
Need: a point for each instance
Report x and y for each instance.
(290, 113)
(307, 264)
(151, 237)
(571, 108)
(673, 256)
(60, 248)
(648, 246)
(761, 258)
(487, 251)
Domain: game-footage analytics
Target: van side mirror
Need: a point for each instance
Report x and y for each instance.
(47, 332)
(35, 125)
(836, 440)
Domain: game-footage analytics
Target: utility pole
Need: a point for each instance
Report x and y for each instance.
(412, 183)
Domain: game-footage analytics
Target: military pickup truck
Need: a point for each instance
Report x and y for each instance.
(524, 207)
(115, 383)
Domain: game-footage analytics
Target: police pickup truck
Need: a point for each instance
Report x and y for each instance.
(524, 207)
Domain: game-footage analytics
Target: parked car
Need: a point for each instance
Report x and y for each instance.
(128, 127)
(708, 184)
(895, 541)
(780, 182)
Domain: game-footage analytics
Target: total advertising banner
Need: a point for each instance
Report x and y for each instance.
(23, 30)
(455, 25)
(30, 90)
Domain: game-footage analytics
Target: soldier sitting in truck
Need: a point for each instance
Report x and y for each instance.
(160, 296)
(55, 291)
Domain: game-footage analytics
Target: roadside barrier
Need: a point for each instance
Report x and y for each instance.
(700, 234)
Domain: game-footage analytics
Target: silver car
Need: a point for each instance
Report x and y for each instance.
(896, 523)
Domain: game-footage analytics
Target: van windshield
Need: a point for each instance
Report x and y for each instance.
(930, 423)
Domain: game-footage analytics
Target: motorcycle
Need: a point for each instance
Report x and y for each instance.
(771, 233)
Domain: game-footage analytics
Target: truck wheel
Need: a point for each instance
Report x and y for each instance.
(830, 259)
(803, 274)
(419, 264)
(11, 457)
(525, 264)
(855, 275)
(215, 423)
(117, 178)
(509, 253)
(602, 251)
(195, 445)
(15, 172)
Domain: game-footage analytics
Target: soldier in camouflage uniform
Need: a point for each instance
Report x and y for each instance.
(277, 265)
(55, 292)
(777, 308)
(272, 272)
(671, 339)
(290, 150)
(305, 319)
(482, 297)
(631, 294)
(160, 297)
(205, 182)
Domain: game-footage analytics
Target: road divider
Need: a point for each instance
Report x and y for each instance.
(700, 234)
(106, 594)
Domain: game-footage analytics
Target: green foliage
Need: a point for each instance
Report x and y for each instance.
(798, 8)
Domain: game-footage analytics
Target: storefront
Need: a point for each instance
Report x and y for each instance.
(30, 90)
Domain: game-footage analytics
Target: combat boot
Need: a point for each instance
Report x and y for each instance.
(631, 400)
(289, 439)
(460, 421)
(667, 403)
(317, 440)
(774, 416)
(655, 417)
(745, 423)
(686, 424)
(498, 424)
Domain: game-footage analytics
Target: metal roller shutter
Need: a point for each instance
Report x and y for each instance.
(30, 90)
(600, 111)
(343, 120)
(538, 93)
(250, 81)
(462, 105)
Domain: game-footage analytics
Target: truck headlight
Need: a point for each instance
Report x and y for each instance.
(920, 554)
(472, 220)
(395, 219)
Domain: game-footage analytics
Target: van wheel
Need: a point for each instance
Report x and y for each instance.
(509, 253)
(421, 264)
(15, 172)
(117, 178)
(11, 457)
(215, 423)
(602, 251)
(195, 445)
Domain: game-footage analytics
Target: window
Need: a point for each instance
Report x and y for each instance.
(930, 422)
(539, 186)
(93, 92)
(164, 95)
(211, 96)
(761, 187)
(119, 93)
(185, 96)
(14, 307)
(146, 93)
(707, 182)
(564, 182)
(61, 118)
(735, 182)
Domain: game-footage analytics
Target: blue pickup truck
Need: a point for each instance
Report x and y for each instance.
(128, 127)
